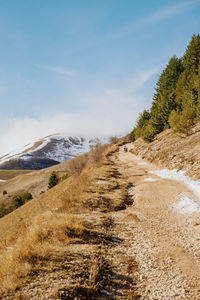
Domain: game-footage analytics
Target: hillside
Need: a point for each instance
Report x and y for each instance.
(116, 230)
(173, 151)
(19, 181)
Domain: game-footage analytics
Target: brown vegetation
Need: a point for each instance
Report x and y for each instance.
(46, 232)
(50, 226)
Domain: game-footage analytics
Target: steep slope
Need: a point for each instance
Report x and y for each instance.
(133, 239)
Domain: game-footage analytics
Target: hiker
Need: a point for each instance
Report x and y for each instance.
(125, 149)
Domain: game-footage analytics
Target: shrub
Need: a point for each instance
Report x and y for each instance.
(64, 177)
(2, 210)
(96, 153)
(53, 180)
(113, 139)
(5, 192)
(17, 201)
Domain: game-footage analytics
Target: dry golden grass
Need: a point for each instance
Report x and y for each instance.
(46, 233)
(9, 174)
(44, 224)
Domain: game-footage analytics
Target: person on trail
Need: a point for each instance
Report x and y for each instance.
(125, 149)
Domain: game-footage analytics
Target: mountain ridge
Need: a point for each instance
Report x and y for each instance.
(48, 151)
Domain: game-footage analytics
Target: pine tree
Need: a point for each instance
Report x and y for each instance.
(197, 89)
(53, 180)
(176, 102)
(164, 98)
(191, 58)
(141, 122)
(148, 131)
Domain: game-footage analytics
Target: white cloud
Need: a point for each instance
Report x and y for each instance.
(110, 113)
(57, 69)
(170, 11)
(142, 77)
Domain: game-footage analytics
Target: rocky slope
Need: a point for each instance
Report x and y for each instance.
(173, 151)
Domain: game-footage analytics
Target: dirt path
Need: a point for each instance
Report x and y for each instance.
(163, 241)
(136, 246)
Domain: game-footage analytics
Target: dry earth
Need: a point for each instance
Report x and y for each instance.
(136, 246)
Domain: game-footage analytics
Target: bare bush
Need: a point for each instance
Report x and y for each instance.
(77, 164)
(96, 153)
(94, 156)
(113, 139)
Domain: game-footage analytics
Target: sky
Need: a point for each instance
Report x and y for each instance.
(84, 67)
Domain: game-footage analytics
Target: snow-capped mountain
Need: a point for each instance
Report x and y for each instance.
(48, 151)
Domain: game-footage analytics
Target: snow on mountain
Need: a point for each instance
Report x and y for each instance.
(53, 148)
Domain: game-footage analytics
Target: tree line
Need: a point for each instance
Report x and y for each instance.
(176, 101)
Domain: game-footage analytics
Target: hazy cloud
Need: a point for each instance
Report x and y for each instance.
(142, 77)
(170, 11)
(57, 69)
(110, 113)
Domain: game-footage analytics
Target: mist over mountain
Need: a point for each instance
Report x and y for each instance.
(47, 152)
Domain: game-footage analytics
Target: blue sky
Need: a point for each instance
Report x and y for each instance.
(84, 67)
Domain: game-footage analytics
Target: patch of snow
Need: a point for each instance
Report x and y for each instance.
(187, 205)
(142, 164)
(2, 180)
(194, 185)
(15, 153)
(25, 156)
(150, 179)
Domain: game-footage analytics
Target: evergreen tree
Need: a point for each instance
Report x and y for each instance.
(53, 180)
(191, 58)
(141, 122)
(148, 131)
(197, 89)
(176, 102)
(164, 98)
